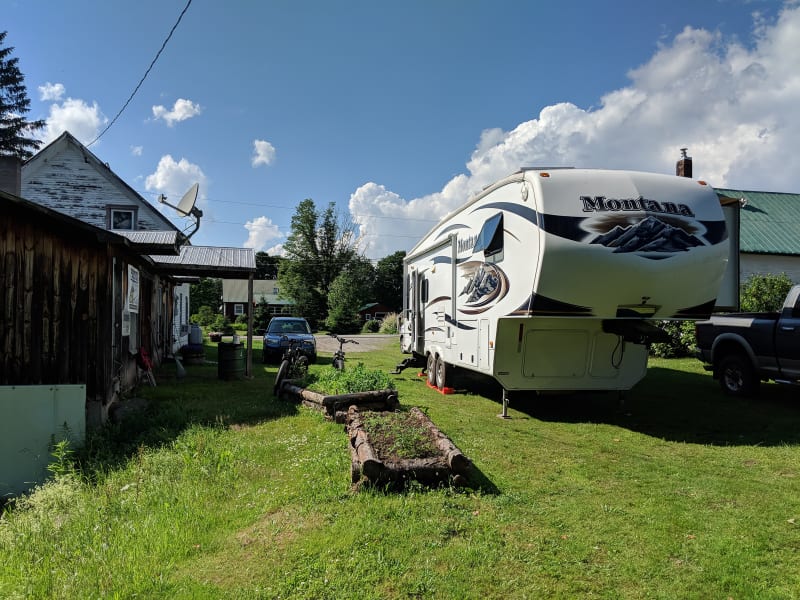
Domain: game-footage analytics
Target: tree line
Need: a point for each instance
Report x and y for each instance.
(322, 272)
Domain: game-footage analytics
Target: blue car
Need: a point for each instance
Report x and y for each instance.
(283, 329)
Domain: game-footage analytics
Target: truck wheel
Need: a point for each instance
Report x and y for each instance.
(430, 370)
(737, 376)
(443, 374)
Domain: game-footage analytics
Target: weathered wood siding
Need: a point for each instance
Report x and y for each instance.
(55, 305)
(71, 180)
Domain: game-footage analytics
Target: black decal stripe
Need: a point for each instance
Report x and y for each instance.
(701, 311)
(542, 305)
(716, 231)
(451, 321)
(450, 228)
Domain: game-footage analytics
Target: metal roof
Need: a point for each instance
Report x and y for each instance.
(769, 221)
(152, 242)
(208, 261)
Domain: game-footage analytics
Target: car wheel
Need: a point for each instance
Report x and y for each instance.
(737, 376)
(430, 370)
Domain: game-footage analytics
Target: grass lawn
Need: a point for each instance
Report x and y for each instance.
(218, 490)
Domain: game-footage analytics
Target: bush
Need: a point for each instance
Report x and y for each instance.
(241, 322)
(389, 323)
(204, 317)
(371, 326)
(222, 324)
(682, 341)
(764, 293)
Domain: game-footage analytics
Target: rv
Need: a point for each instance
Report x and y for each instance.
(550, 279)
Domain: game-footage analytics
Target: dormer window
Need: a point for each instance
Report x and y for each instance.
(121, 217)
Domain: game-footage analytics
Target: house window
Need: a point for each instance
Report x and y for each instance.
(121, 217)
(238, 309)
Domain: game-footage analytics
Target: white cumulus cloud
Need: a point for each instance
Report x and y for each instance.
(173, 179)
(734, 105)
(261, 232)
(182, 109)
(51, 91)
(82, 120)
(263, 153)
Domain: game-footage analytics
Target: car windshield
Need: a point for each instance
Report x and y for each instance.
(293, 326)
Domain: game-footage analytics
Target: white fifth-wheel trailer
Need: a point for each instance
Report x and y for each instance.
(550, 278)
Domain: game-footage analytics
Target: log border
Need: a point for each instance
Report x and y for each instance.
(334, 407)
(367, 467)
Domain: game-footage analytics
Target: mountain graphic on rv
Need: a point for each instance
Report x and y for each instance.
(650, 234)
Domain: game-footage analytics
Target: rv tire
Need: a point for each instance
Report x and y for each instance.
(430, 370)
(443, 373)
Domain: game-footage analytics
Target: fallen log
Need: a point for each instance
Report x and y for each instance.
(454, 457)
(371, 465)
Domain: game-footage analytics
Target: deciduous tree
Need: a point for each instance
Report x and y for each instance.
(317, 250)
(349, 292)
(389, 280)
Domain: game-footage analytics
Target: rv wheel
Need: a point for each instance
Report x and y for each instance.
(431, 369)
(443, 374)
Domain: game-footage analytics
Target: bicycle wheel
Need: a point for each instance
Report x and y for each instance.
(300, 366)
(283, 371)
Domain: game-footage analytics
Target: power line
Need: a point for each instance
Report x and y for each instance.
(146, 73)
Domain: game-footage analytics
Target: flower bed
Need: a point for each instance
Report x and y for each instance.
(374, 462)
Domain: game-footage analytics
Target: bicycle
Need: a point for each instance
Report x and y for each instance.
(338, 356)
(294, 363)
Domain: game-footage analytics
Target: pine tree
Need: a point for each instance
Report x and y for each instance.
(14, 104)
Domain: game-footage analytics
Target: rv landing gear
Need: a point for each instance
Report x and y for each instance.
(407, 362)
(504, 414)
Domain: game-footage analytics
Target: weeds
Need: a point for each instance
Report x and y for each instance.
(398, 435)
(351, 380)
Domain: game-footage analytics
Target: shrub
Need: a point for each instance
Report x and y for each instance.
(222, 324)
(371, 326)
(764, 293)
(682, 340)
(204, 317)
(389, 323)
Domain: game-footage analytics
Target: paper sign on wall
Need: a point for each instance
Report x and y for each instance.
(133, 289)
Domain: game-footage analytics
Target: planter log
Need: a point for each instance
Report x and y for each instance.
(369, 468)
(335, 406)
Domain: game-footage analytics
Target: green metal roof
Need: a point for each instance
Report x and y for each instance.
(769, 221)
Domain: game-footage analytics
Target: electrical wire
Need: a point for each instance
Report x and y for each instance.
(146, 73)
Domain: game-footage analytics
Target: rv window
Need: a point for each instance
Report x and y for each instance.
(490, 239)
(424, 290)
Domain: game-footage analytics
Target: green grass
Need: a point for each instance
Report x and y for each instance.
(218, 490)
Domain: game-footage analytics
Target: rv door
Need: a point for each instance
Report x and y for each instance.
(413, 328)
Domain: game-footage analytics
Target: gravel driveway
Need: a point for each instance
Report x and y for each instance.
(366, 342)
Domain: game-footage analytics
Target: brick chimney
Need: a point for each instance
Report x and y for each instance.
(11, 174)
(683, 168)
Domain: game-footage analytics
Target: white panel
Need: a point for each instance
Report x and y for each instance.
(555, 353)
(31, 418)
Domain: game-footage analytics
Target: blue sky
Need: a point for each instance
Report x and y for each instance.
(398, 111)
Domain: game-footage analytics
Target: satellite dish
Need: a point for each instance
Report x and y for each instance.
(186, 204)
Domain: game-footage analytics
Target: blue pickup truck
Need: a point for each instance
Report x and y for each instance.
(743, 349)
